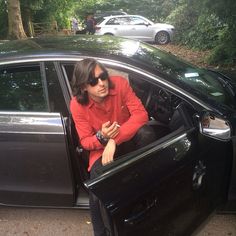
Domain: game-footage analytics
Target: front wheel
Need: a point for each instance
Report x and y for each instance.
(162, 37)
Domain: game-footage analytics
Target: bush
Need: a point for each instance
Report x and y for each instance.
(225, 52)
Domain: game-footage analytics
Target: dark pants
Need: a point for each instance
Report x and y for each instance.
(143, 137)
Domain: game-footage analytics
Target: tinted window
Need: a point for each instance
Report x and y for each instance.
(21, 89)
(56, 99)
(191, 78)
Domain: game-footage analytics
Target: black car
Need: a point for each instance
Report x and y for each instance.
(166, 188)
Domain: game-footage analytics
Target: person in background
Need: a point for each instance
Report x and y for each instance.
(74, 25)
(108, 116)
(90, 24)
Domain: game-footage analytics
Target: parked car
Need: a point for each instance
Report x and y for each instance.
(135, 27)
(166, 188)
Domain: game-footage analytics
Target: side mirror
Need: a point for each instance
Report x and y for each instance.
(214, 126)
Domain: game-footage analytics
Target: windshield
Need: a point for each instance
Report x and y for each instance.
(193, 79)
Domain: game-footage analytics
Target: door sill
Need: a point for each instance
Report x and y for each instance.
(82, 200)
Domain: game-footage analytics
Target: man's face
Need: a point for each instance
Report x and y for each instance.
(100, 90)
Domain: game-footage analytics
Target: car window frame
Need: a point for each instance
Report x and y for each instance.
(145, 22)
(40, 65)
(158, 142)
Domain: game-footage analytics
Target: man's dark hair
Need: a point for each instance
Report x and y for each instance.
(83, 71)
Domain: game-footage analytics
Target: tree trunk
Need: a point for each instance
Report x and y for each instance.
(15, 26)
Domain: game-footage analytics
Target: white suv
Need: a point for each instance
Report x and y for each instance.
(135, 27)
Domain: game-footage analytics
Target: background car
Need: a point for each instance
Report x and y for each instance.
(135, 27)
(166, 188)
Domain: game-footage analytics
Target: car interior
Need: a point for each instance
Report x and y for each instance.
(168, 115)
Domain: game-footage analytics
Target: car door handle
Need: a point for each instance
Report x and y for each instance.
(139, 216)
(198, 175)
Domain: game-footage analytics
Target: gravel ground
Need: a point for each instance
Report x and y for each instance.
(218, 225)
(61, 222)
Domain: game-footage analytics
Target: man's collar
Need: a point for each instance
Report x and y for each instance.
(112, 92)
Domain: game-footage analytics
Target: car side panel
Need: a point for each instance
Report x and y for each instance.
(34, 164)
(141, 32)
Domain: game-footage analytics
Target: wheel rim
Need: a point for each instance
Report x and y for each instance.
(162, 38)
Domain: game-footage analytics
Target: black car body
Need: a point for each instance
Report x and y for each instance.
(167, 188)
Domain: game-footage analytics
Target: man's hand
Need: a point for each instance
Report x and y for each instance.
(110, 130)
(109, 151)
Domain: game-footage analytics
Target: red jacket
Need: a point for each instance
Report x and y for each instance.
(121, 105)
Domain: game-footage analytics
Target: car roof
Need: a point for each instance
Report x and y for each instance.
(123, 16)
(61, 46)
(110, 13)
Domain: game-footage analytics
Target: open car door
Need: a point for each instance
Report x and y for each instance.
(164, 188)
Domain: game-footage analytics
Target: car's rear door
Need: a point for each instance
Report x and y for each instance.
(34, 163)
(119, 26)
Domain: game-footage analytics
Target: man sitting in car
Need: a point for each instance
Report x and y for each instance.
(107, 116)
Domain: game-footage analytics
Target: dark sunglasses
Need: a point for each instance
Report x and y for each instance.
(94, 81)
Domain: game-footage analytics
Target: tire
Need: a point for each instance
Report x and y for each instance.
(162, 37)
(109, 34)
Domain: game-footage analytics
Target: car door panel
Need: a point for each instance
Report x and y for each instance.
(34, 164)
(141, 32)
(148, 185)
(141, 29)
(167, 189)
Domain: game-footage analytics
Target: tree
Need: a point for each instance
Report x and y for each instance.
(15, 26)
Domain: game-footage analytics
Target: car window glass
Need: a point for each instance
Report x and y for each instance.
(191, 78)
(137, 21)
(21, 89)
(68, 68)
(56, 99)
(119, 21)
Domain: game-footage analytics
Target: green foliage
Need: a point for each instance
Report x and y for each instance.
(207, 26)
(183, 18)
(204, 24)
(207, 31)
(42, 11)
(199, 32)
(3, 17)
(155, 10)
(225, 52)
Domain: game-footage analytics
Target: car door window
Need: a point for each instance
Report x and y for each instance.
(22, 89)
(119, 21)
(55, 94)
(160, 104)
(138, 21)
